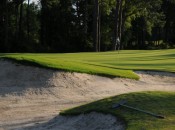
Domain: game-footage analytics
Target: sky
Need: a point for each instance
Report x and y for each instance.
(33, 1)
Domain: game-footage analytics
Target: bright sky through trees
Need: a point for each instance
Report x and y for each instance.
(34, 1)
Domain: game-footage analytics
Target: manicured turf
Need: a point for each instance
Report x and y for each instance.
(157, 102)
(104, 63)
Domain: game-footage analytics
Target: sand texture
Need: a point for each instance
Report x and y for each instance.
(32, 97)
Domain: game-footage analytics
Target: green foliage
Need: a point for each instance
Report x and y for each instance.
(67, 26)
(142, 16)
(157, 102)
(169, 7)
(18, 39)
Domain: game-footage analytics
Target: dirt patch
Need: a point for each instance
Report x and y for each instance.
(30, 96)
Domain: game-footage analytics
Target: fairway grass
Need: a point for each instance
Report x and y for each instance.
(109, 64)
(157, 102)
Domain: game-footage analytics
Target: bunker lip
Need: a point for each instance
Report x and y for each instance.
(30, 96)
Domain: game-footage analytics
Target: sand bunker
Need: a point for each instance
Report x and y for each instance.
(92, 121)
(31, 96)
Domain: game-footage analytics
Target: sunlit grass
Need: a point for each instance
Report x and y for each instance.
(104, 63)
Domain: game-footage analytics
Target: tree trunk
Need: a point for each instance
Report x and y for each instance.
(123, 26)
(16, 21)
(143, 39)
(28, 21)
(167, 31)
(120, 24)
(99, 30)
(20, 22)
(6, 25)
(78, 13)
(86, 18)
(96, 25)
(116, 35)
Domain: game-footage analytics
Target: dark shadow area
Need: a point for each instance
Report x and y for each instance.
(90, 121)
(16, 78)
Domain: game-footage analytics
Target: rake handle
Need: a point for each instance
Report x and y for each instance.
(149, 113)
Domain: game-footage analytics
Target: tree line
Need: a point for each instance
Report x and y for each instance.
(86, 25)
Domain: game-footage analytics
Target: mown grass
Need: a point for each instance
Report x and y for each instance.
(104, 63)
(162, 103)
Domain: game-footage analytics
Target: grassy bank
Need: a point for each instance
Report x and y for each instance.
(104, 63)
(156, 102)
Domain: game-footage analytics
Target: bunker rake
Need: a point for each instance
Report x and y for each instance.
(123, 104)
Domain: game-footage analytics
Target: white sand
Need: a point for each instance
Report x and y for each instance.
(31, 97)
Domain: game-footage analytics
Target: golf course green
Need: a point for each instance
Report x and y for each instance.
(112, 64)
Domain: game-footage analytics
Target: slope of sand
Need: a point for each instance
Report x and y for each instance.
(31, 97)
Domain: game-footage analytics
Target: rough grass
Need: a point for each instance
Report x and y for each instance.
(104, 63)
(157, 102)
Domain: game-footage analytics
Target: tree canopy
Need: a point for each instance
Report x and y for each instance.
(86, 25)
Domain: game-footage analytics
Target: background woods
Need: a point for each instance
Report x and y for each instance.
(85, 25)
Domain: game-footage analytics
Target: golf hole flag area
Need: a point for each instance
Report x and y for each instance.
(83, 91)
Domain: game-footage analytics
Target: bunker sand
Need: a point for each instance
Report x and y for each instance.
(32, 97)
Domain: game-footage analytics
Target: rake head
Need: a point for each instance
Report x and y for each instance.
(122, 102)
